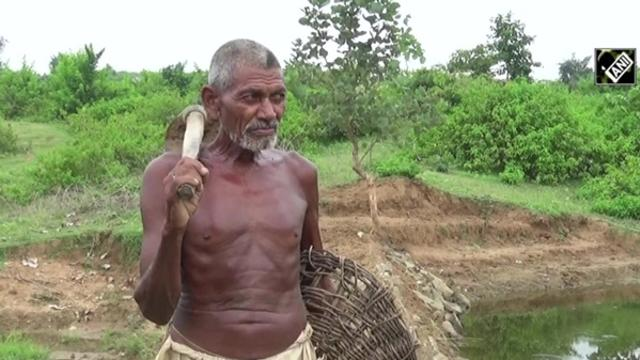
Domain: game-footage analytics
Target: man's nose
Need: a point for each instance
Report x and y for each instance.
(266, 111)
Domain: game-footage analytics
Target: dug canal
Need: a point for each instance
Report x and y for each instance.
(571, 327)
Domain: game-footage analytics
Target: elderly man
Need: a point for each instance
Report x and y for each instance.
(223, 268)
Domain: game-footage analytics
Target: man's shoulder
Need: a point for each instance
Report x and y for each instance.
(161, 164)
(302, 166)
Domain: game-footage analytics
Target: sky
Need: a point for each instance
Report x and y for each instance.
(151, 34)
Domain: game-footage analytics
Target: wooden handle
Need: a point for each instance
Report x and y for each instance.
(191, 147)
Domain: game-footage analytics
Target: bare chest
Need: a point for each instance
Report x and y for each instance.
(240, 208)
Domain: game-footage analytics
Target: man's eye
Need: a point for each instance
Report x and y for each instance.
(251, 97)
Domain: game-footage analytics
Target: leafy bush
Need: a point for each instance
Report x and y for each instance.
(618, 192)
(103, 109)
(411, 104)
(160, 107)
(22, 94)
(148, 83)
(400, 164)
(512, 175)
(528, 125)
(80, 163)
(624, 206)
(8, 139)
(619, 119)
(112, 139)
(441, 166)
(299, 127)
(18, 187)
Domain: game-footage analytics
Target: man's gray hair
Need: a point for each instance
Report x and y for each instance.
(237, 52)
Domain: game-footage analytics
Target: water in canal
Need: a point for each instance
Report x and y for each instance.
(584, 331)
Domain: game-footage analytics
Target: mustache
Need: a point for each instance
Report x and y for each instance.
(256, 124)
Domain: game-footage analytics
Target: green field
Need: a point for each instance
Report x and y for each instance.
(68, 214)
(36, 139)
(553, 200)
(79, 214)
(550, 200)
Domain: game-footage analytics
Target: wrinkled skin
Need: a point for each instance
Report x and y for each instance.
(224, 267)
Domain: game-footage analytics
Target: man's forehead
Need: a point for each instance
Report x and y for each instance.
(247, 76)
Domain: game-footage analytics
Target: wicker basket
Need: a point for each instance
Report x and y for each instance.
(359, 321)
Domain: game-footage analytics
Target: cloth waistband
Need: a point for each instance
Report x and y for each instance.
(190, 347)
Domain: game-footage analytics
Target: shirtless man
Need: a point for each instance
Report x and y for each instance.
(223, 268)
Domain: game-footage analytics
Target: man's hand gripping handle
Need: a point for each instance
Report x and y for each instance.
(195, 117)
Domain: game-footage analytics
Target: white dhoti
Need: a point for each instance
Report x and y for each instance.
(301, 349)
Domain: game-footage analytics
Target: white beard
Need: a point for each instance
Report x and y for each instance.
(255, 144)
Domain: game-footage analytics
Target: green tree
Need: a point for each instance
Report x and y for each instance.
(176, 77)
(511, 45)
(21, 93)
(75, 80)
(477, 61)
(367, 40)
(572, 70)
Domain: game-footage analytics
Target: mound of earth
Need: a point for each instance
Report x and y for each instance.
(492, 250)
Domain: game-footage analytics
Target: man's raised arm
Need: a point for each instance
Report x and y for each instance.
(164, 221)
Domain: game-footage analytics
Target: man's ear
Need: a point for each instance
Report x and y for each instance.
(211, 101)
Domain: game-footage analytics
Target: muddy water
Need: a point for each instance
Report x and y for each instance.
(589, 328)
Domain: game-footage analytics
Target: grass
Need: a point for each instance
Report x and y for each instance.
(68, 214)
(133, 343)
(553, 200)
(334, 162)
(37, 138)
(16, 347)
(137, 344)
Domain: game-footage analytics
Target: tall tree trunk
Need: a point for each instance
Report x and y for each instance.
(370, 179)
(373, 203)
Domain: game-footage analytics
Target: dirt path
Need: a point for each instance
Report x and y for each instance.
(69, 301)
(489, 252)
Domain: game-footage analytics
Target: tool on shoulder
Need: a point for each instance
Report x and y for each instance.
(185, 134)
